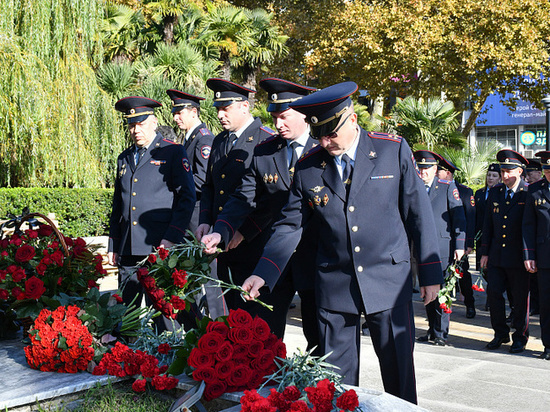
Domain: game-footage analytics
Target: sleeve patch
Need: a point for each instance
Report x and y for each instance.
(472, 201)
(205, 151)
(416, 166)
(185, 164)
(455, 194)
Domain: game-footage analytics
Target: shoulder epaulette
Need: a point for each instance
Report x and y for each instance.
(268, 139)
(267, 129)
(445, 182)
(310, 152)
(385, 136)
(204, 131)
(169, 141)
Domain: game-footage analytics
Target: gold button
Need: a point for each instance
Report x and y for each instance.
(503, 236)
(135, 180)
(223, 176)
(354, 229)
(221, 192)
(134, 193)
(351, 208)
(220, 208)
(505, 217)
(134, 223)
(504, 245)
(507, 203)
(133, 208)
(359, 268)
(504, 226)
(357, 249)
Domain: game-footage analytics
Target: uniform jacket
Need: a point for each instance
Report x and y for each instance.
(363, 258)
(468, 202)
(450, 220)
(198, 148)
(226, 171)
(152, 201)
(481, 206)
(502, 239)
(536, 224)
(261, 197)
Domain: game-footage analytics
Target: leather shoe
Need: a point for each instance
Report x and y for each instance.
(470, 312)
(517, 347)
(439, 342)
(424, 338)
(545, 355)
(496, 342)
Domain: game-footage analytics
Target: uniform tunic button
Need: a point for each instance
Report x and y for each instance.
(354, 229)
(504, 245)
(505, 217)
(134, 193)
(503, 235)
(359, 268)
(223, 176)
(351, 208)
(220, 208)
(221, 192)
(134, 223)
(357, 249)
(133, 208)
(135, 180)
(504, 226)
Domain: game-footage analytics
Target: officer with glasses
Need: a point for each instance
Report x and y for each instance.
(367, 198)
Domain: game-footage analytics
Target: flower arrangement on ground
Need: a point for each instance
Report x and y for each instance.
(60, 342)
(172, 277)
(234, 353)
(36, 265)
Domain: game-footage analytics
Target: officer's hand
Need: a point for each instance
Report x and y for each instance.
(483, 261)
(252, 285)
(202, 230)
(211, 242)
(469, 250)
(166, 244)
(429, 293)
(458, 254)
(530, 266)
(112, 258)
(237, 239)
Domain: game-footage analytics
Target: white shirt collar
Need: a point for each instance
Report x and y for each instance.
(239, 132)
(191, 129)
(352, 151)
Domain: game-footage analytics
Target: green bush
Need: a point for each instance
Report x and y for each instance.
(80, 212)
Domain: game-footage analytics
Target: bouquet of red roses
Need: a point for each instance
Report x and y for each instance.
(319, 398)
(231, 354)
(35, 266)
(59, 341)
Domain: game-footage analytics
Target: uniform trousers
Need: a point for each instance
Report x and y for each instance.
(392, 334)
(438, 321)
(498, 279)
(544, 305)
(465, 283)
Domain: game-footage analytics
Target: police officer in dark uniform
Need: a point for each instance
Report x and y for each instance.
(536, 244)
(450, 225)
(502, 252)
(533, 174)
(154, 194)
(445, 171)
(266, 187)
(364, 190)
(231, 156)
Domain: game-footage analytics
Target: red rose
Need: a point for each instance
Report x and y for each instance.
(148, 282)
(177, 302)
(92, 284)
(32, 234)
(57, 257)
(24, 254)
(348, 400)
(164, 348)
(219, 327)
(239, 376)
(255, 348)
(180, 278)
(264, 360)
(260, 328)
(204, 374)
(163, 253)
(214, 389)
(41, 269)
(15, 240)
(4, 253)
(34, 288)
(239, 318)
(139, 385)
(210, 342)
(18, 275)
(279, 349)
(152, 258)
(45, 230)
(4, 294)
(223, 369)
(199, 359)
(240, 335)
(224, 352)
(141, 273)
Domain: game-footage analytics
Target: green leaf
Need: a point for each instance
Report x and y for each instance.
(173, 261)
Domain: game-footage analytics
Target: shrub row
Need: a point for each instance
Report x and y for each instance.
(79, 212)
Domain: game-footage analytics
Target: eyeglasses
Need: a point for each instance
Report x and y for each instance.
(336, 125)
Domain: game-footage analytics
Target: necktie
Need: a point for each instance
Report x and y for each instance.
(508, 194)
(428, 188)
(346, 174)
(229, 142)
(139, 154)
(293, 159)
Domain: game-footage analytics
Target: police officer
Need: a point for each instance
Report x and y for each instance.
(533, 171)
(154, 194)
(266, 188)
(450, 225)
(366, 194)
(445, 171)
(533, 175)
(502, 252)
(231, 156)
(536, 244)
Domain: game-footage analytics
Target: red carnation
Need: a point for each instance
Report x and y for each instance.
(164, 382)
(177, 302)
(152, 258)
(348, 400)
(34, 288)
(57, 257)
(139, 385)
(117, 297)
(164, 348)
(292, 393)
(180, 278)
(163, 253)
(41, 269)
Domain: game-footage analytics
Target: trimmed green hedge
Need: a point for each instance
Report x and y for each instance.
(80, 212)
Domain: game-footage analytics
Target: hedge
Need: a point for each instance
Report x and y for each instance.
(80, 212)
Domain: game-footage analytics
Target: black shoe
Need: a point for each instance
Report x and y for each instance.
(470, 312)
(365, 329)
(424, 338)
(415, 290)
(292, 306)
(439, 342)
(496, 342)
(534, 312)
(517, 347)
(545, 355)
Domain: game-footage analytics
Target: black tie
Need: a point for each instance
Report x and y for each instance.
(346, 173)
(508, 195)
(139, 154)
(229, 142)
(293, 159)
(427, 188)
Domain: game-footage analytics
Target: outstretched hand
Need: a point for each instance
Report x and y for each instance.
(252, 285)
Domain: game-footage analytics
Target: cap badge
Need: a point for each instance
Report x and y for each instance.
(507, 161)
(314, 120)
(274, 96)
(218, 95)
(132, 111)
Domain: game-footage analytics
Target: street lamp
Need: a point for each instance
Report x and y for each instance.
(546, 102)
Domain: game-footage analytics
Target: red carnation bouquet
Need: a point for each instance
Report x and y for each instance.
(234, 353)
(60, 342)
(36, 265)
(319, 398)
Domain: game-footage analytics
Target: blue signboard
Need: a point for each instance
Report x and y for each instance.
(499, 115)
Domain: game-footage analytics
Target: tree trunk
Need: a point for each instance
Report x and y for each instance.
(476, 110)
(250, 75)
(225, 69)
(169, 23)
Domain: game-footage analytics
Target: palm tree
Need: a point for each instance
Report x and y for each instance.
(120, 31)
(168, 10)
(472, 161)
(117, 79)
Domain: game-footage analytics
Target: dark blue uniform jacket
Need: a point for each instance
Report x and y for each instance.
(536, 224)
